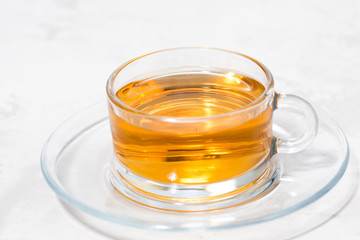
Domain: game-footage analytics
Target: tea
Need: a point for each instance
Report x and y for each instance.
(192, 152)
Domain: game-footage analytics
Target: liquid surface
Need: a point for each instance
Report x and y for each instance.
(192, 152)
(191, 94)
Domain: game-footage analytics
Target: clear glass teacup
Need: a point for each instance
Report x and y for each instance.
(192, 129)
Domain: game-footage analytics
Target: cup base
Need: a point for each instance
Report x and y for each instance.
(192, 198)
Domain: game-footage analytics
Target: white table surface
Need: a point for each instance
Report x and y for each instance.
(56, 55)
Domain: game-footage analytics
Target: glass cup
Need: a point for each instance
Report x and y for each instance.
(192, 129)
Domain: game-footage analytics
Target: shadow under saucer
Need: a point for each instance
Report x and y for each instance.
(287, 227)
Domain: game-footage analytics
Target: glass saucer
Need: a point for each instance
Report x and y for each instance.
(75, 162)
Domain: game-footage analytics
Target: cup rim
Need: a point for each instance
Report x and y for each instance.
(114, 100)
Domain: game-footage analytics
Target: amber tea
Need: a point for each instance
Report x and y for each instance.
(192, 152)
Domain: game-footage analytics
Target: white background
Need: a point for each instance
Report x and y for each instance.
(56, 55)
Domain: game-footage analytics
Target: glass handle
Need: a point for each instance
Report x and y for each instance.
(301, 106)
